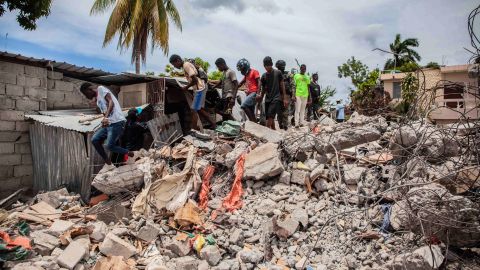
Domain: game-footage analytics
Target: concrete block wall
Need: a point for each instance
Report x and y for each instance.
(25, 90)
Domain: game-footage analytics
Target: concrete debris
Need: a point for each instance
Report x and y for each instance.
(263, 162)
(262, 132)
(363, 194)
(116, 246)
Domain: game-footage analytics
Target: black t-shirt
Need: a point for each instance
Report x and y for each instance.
(314, 90)
(271, 83)
(288, 83)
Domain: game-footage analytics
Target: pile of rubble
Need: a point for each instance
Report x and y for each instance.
(365, 194)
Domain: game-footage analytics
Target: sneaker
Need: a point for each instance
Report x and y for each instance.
(107, 168)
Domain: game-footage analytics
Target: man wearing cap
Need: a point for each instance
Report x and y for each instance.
(252, 80)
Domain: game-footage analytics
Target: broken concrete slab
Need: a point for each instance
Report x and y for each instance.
(352, 173)
(53, 198)
(149, 232)
(262, 132)
(285, 177)
(231, 157)
(60, 226)
(44, 243)
(121, 179)
(186, 263)
(263, 162)
(72, 255)
(180, 248)
(100, 230)
(116, 246)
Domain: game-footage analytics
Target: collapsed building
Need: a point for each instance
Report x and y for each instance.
(370, 193)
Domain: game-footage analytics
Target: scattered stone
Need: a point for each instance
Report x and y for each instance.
(60, 226)
(237, 237)
(100, 230)
(285, 178)
(186, 263)
(250, 256)
(116, 246)
(180, 248)
(285, 227)
(299, 176)
(211, 254)
(149, 232)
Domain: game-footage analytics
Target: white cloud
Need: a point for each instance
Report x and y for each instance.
(321, 34)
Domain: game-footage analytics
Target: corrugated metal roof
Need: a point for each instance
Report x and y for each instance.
(70, 119)
(66, 68)
(126, 78)
(87, 74)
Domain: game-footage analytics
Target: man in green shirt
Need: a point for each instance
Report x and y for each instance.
(302, 82)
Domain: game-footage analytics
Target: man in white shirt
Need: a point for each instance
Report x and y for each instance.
(113, 122)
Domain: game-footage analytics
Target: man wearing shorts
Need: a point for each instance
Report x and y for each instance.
(273, 89)
(198, 86)
(252, 79)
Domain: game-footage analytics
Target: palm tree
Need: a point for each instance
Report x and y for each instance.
(135, 21)
(402, 52)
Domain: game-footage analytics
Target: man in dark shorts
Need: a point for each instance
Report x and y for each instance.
(229, 86)
(273, 89)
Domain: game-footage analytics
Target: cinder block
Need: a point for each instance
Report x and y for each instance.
(50, 84)
(36, 92)
(22, 170)
(54, 75)
(21, 80)
(32, 81)
(7, 148)
(10, 185)
(6, 77)
(22, 126)
(27, 105)
(55, 96)
(43, 105)
(7, 125)
(14, 90)
(12, 115)
(62, 105)
(5, 172)
(63, 86)
(27, 180)
(10, 136)
(10, 159)
(27, 159)
(74, 98)
(23, 148)
(24, 137)
(12, 68)
(2, 89)
(35, 71)
(6, 103)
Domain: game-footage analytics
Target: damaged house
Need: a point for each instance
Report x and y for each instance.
(44, 94)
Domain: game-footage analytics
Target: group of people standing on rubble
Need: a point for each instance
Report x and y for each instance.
(281, 92)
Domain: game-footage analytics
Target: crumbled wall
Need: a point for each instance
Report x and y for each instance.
(25, 90)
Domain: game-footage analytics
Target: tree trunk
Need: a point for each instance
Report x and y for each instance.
(137, 62)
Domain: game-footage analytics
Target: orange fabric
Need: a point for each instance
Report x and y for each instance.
(233, 200)
(98, 199)
(18, 241)
(207, 175)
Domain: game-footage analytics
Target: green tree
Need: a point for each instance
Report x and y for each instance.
(29, 11)
(371, 80)
(402, 52)
(409, 67)
(150, 73)
(326, 93)
(215, 75)
(432, 65)
(201, 63)
(138, 21)
(354, 69)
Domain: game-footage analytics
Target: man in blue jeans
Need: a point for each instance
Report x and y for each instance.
(113, 122)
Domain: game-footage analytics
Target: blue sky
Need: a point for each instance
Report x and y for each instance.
(321, 34)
